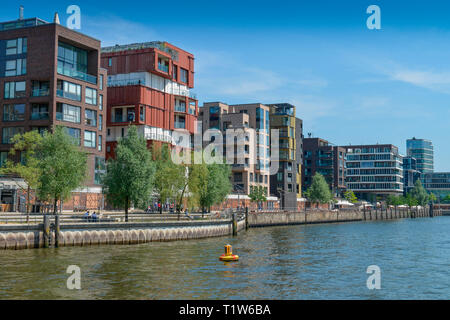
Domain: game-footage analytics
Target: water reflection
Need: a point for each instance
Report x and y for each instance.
(297, 262)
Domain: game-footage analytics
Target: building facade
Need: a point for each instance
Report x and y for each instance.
(286, 184)
(374, 171)
(251, 157)
(422, 150)
(410, 174)
(437, 183)
(149, 85)
(328, 160)
(50, 75)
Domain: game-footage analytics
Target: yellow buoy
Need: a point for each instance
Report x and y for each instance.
(228, 255)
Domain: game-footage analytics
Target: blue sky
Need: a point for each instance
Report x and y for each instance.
(350, 84)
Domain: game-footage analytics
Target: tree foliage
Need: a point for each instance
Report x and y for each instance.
(63, 166)
(420, 194)
(319, 191)
(349, 195)
(130, 175)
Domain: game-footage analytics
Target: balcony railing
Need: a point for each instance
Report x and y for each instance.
(39, 116)
(40, 92)
(180, 108)
(68, 95)
(180, 125)
(77, 74)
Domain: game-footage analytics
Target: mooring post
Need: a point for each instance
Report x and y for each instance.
(46, 231)
(246, 218)
(57, 230)
(234, 224)
(364, 210)
(431, 211)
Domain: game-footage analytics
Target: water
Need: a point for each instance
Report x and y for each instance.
(327, 261)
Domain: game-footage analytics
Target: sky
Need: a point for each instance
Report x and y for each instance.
(350, 84)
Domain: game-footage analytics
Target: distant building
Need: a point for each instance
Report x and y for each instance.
(410, 173)
(422, 150)
(374, 170)
(328, 160)
(437, 183)
(286, 184)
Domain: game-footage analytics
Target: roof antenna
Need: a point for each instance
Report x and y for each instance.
(21, 12)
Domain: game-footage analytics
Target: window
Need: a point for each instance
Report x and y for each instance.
(100, 122)
(142, 113)
(14, 112)
(100, 144)
(40, 88)
(101, 82)
(183, 75)
(100, 102)
(16, 67)
(3, 157)
(66, 112)
(74, 133)
(9, 132)
(16, 46)
(91, 96)
(90, 117)
(110, 62)
(40, 130)
(39, 111)
(175, 72)
(89, 139)
(68, 90)
(15, 90)
(99, 169)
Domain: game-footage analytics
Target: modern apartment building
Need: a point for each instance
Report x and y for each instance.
(286, 184)
(410, 173)
(251, 167)
(51, 75)
(149, 85)
(437, 183)
(320, 156)
(422, 150)
(374, 170)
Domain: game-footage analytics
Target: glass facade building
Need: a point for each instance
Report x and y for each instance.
(422, 150)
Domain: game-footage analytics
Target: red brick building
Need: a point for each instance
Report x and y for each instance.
(149, 85)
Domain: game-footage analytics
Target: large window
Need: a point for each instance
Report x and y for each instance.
(66, 112)
(3, 157)
(39, 111)
(100, 102)
(100, 143)
(99, 169)
(90, 117)
(16, 67)
(8, 133)
(72, 62)
(91, 96)
(15, 90)
(74, 133)
(90, 139)
(16, 46)
(40, 88)
(68, 90)
(14, 112)
(183, 75)
(100, 122)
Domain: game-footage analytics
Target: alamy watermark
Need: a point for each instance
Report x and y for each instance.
(74, 280)
(374, 20)
(374, 280)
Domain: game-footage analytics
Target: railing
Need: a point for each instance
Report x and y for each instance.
(68, 95)
(40, 92)
(180, 125)
(39, 116)
(180, 108)
(163, 68)
(77, 74)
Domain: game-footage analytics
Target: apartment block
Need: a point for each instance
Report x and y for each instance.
(410, 173)
(374, 170)
(422, 150)
(50, 75)
(149, 85)
(437, 183)
(320, 156)
(251, 156)
(286, 184)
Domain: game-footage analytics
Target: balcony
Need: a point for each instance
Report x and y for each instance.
(163, 67)
(40, 92)
(180, 125)
(39, 116)
(180, 108)
(69, 72)
(68, 95)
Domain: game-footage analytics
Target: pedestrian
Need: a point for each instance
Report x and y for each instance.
(94, 217)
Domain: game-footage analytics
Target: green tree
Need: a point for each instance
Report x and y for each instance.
(411, 201)
(130, 175)
(350, 196)
(319, 191)
(258, 195)
(446, 199)
(433, 198)
(209, 184)
(29, 169)
(170, 178)
(63, 166)
(419, 193)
